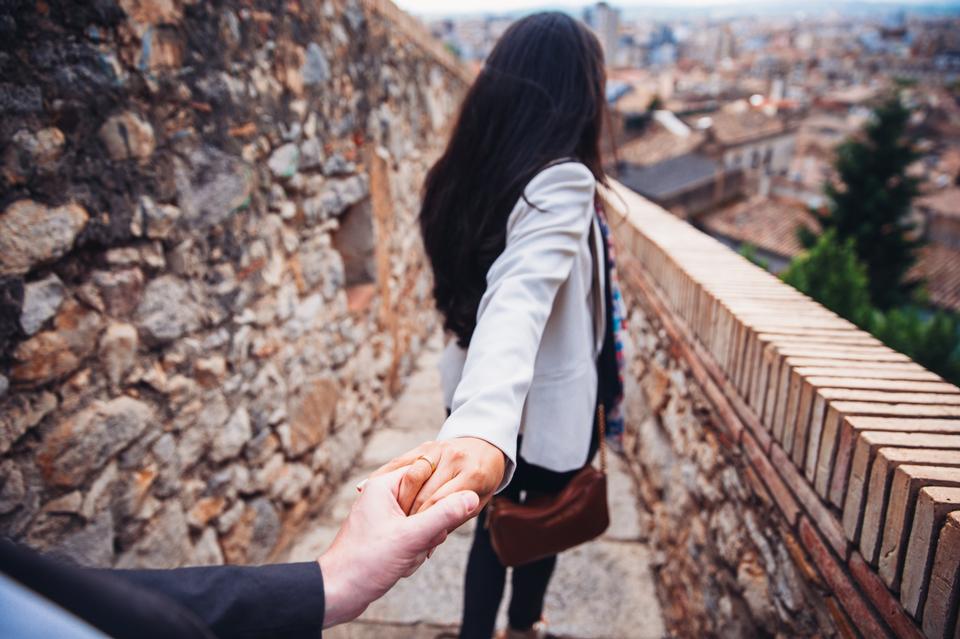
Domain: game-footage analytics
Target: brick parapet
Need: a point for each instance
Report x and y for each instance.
(808, 400)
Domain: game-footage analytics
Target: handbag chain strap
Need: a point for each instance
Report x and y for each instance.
(602, 426)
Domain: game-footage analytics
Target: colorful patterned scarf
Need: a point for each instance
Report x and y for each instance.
(611, 361)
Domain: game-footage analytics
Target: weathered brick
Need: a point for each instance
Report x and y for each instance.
(896, 410)
(867, 445)
(841, 621)
(812, 504)
(863, 370)
(905, 486)
(836, 577)
(883, 384)
(943, 593)
(782, 392)
(772, 479)
(886, 604)
(851, 426)
(847, 355)
(933, 505)
(802, 424)
(910, 370)
(820, 413)
(873, 477)
(821, 453)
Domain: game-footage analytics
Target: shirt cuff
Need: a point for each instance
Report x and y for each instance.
(454, 428)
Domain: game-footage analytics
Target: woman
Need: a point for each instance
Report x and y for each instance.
(510, 228)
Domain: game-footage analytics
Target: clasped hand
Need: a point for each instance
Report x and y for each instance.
(406, 509)
(378, 544)
(435, 470)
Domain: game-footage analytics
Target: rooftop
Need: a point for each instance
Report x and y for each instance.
(945, 202)
(658, 144)
(731, 127)
(769, 224)
(939, 266)
(669, 177)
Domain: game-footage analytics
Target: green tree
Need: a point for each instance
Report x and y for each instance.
(933, 342)
(872, 203)
(831, 274)
(749, 252)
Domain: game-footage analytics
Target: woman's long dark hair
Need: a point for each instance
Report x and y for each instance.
(539, 98)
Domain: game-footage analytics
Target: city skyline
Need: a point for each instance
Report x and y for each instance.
(442, 7)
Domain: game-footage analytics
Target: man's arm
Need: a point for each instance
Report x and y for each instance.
(278, 600)
(375, 547)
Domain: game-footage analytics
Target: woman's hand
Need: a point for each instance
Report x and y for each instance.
(437, 469)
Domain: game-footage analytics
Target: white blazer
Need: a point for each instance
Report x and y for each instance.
(531, 364)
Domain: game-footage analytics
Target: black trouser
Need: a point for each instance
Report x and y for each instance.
(486, 576)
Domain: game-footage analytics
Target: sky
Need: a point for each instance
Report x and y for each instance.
(493, 6)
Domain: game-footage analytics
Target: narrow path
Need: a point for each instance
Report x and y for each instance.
(602, 590)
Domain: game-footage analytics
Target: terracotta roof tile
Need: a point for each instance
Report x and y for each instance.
(766, 223)
(939, 265)
(737, 127)
(945, 202)
(658, 144)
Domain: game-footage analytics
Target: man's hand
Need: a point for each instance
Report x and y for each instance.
(378, 544)
(435, 470)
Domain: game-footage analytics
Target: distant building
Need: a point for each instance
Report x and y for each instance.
(749, 139)
(938, 262)
(605, 22)
(687, 185)
(940, 212)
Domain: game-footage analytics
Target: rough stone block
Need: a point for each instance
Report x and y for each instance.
(127, 135)
(168, 310)
(86, 441)
(312, 414)
(31, 233)
(41, 301)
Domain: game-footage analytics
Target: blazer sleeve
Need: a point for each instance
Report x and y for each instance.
(543, 239)
(276, 601)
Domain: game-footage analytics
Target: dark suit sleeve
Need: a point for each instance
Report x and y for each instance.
(116, 607)
(277, 601)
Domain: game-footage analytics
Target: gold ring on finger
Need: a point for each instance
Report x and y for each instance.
(433, 467)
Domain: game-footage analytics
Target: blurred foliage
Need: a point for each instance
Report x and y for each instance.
(904, 82)
(830, 273)
(749, 251)
(931, 341)
(872, 203)
(454, 49)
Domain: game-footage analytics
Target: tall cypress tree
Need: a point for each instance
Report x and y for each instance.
(872, 203)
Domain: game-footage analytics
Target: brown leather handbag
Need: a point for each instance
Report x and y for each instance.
(547, 525)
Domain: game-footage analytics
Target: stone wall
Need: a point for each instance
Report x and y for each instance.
(211, 281)
(800, 478)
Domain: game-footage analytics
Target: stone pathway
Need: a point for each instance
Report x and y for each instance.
(603, 589)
